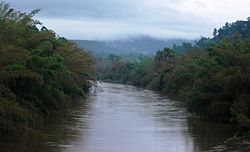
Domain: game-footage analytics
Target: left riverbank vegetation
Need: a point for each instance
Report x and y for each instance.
(39, 72)
(212, 76)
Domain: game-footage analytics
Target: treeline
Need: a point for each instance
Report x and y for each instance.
(39, 72)
(212, 77)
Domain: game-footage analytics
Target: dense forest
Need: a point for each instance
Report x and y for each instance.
(39, 72)
(212, 77)
(130, 48)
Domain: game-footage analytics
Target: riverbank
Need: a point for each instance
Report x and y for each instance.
(39, 72)
(140, 120)
(212, 77)
(137, 119)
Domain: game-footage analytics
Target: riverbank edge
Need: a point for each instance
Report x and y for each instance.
(238, 133)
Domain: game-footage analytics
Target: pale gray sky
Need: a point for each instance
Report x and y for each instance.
(115, 19)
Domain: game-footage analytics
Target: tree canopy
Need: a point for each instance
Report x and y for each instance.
(212, 77)
(39, 71)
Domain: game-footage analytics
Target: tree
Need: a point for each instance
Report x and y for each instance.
(39, 72)
(215, 32)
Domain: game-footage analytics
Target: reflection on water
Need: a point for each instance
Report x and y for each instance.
(120, 118)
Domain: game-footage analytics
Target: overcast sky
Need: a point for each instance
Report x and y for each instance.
(115, 19)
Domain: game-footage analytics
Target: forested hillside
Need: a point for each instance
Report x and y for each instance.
(212, 77)
(39, 72)
(131, 48)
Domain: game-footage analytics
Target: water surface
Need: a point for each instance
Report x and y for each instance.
(121, 118)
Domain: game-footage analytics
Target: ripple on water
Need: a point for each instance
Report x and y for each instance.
(122, 118)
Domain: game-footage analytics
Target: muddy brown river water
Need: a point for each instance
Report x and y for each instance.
(122, 118)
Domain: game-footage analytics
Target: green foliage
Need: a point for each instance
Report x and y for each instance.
(39, 72)
(241, 113)
(212, 78)
(13, 119)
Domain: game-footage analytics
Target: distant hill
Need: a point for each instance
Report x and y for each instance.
(230, 30)
(128, 48)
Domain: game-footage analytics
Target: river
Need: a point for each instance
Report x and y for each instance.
(122, 118)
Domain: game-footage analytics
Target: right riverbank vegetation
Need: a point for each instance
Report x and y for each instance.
(39, 72)
(211, 76)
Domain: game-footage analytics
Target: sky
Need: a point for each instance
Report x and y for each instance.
(119, 19)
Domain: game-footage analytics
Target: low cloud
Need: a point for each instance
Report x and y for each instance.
(113, 19)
